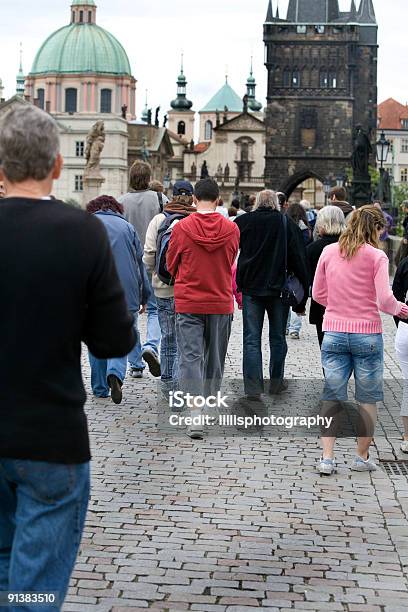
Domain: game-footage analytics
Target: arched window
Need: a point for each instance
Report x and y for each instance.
(332, 79)
(324, 78)
(89, 16)
(181, 128)
(71, 100)
(41, 98)
(286, 77)
(81, 16)
(106, 101)
(244, 152)
(296, 78)
(208, 129)
(73, 16)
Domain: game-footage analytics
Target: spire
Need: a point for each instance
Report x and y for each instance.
(145, 114)
(269, 14)
(353, 11)
(366, 13)
(253, 104)
(277, 12)
(20, 80)
(181, 103)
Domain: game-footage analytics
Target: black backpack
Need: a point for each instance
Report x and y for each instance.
(162, 244)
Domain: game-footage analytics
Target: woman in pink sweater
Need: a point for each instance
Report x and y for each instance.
(352, 283)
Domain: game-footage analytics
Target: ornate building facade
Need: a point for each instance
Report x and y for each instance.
(322, 83)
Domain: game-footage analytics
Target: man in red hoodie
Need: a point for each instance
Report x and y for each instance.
(201, 253)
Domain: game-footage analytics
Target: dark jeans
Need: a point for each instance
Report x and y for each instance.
(42, 515)
(254, 309)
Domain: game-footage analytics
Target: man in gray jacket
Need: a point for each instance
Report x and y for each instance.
(141, 204)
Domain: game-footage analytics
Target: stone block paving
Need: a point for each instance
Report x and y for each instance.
(232, 524)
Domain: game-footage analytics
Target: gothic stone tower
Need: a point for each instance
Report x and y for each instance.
(322, 83)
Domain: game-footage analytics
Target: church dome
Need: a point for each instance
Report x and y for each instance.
(81, 47)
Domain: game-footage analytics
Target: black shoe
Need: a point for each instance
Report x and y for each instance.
(152, 361)
(278, 387)
(116, 388)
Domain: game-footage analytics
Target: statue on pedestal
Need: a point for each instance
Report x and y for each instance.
(204, 170)
(95, 142)
(361, 153)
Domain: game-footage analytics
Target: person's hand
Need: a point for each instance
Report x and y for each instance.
(142, 309)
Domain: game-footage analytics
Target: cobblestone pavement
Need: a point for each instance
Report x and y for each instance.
(239, 523)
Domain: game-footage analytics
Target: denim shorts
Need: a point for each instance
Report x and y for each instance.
(362, 354)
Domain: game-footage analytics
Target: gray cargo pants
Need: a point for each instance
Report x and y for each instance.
(202, 342)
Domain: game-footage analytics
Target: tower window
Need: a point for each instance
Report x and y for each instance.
(106, 101)
(73, 16)
(81, 16)
(208, 129)
(324, 78)
(89, 16)
(332, 79)
(181, 128)
(71, 100)
(296, 78)
(286, 78)
(41, 98)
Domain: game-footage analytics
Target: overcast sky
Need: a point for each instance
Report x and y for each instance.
(215, 36)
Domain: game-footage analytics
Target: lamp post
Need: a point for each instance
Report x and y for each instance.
(166, 182)
(326, 189)
(383, 147)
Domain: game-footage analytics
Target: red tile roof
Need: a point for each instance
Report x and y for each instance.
(390, 114)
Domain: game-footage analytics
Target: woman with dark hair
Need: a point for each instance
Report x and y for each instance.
(298, 215)
(108, 374)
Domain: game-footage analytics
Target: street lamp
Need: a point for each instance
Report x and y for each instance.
(383, 147)
(166, 183)
(326, 189)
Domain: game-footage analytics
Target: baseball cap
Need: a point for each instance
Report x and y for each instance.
(183, 188)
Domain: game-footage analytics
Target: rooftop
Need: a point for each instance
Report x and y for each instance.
(225, 97)
(391, 113)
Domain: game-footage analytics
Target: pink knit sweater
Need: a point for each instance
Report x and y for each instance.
(354, 291)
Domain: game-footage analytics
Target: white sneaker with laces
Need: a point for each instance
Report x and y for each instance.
(363, 465)
(326, 467)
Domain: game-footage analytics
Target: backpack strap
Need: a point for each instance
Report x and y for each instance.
(160, 198)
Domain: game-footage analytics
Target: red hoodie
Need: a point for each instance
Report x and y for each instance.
(201, 253)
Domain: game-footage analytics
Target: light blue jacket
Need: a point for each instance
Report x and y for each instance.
(128, 255)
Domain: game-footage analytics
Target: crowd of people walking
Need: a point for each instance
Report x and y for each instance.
(72, 276)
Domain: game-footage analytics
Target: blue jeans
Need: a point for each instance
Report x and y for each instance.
(168, 347)
(42, 515)
(153, 336)
(254, 309)
(102, 368)
(294, 322)
(343, 354)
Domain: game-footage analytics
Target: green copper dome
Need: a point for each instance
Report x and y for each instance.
(81, 48)
(225, 97)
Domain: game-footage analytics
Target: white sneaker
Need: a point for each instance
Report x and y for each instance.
(363, 465)
(326, 467)
(404, 446)
(196, 430)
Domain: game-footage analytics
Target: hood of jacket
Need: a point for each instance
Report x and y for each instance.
(344, 206)
(211, 231)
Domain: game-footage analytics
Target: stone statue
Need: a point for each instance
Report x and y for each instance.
(219, 171)
(124, 111)
(194, 171)
(204, 171)
(361, 153)
(149, 116)
(165, 121)
(226, 173)
(95, 142)
(191, 145)
(156, 119)
(245, 102)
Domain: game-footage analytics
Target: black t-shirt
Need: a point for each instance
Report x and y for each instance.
(59, 286)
